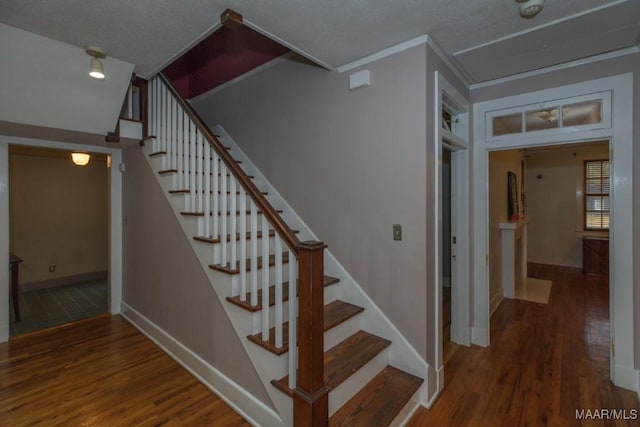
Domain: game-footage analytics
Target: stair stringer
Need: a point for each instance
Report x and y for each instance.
(267, 366)
(402, 354)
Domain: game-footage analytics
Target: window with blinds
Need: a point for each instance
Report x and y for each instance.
(596, 194)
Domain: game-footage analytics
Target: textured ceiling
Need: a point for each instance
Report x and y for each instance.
(151, 33)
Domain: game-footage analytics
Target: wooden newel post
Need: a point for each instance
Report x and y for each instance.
(310, 400)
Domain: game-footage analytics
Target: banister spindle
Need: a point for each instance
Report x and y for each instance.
(180, 140)
(254, 254)
(278, 286)
(243, 244)
(223, 214)
(207, 191)
(265, 278)
(234, 219)
(192, 166)
(293, 320)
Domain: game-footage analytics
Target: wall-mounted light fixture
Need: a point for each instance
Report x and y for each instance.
(80, 159)
(95, 69)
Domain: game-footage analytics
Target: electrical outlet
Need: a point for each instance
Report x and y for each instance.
(397, 232)
(52, 268)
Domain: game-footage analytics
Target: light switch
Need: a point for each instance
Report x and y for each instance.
(397, 232)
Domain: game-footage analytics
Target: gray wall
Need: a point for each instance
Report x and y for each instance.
(620, 65)
(164, 281)
(555, 202)
(58, 215)
(351, 164)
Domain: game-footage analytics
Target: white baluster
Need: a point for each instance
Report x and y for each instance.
(185, 159)
(207, 191)
(199, 170)
(192, 167)
(180, 142)
(217, 193)
(243, 243)
(158, 116)
(234, 217)
(254, 254)
(265, 278)
(278, 286)
(174, 133)
(165, 112)
(223, 213)
(293, 320)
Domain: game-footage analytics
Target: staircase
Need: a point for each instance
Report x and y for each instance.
(324, 351)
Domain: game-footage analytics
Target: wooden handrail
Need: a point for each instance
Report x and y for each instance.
(310, 405)
(256, 195)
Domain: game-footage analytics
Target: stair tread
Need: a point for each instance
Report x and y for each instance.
(344, 359)
(335, 313)
(246, 304)
(157, 153)
(217, 239)
(168, 171)
(228, 268)
(379, 401)
(186, 190)
(220, 213)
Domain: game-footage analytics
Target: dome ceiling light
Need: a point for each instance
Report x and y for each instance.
(530, 8)
(95, 69)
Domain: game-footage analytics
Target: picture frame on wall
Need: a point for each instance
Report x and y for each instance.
(512, 196)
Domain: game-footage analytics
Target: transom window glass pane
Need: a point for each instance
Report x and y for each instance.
(582, 113)
(541, 119)
(505, 125)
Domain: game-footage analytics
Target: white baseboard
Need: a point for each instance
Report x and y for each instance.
(480, 336)
(244, 403)
(496, 300)
(626, 377)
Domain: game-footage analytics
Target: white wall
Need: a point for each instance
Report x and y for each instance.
(500, 162)
(58, 214)
(554, 202)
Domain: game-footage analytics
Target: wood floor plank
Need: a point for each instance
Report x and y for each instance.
(545, 362)
(101, 372)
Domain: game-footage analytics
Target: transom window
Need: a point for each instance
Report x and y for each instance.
(597, 185)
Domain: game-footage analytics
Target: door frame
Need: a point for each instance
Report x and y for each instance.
(115, 220)
(457, 142)
(619, 131)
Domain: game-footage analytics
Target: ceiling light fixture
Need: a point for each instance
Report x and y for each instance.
(530, 8)
(96, 54)
(80, 159)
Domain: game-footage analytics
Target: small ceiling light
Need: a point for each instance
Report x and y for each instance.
(80, 159)
(96, 70)
(530, 8)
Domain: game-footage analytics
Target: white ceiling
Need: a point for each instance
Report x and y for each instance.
(46, 83)
(150, 33)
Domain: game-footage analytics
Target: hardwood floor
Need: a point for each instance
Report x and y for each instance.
(101, 372)
(544, 363)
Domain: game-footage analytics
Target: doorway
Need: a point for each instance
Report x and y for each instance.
(58, 221)
(115, 220)
(612, 122)
(448, 258)
(451, 212)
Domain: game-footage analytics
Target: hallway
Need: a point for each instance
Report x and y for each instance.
(544, 363)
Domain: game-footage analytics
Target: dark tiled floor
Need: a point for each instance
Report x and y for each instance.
(44, 308)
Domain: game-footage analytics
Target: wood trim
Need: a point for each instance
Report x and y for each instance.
(311, 400)
(256, 195)
(144, 104)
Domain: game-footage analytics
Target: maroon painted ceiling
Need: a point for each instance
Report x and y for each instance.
(222, 56)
